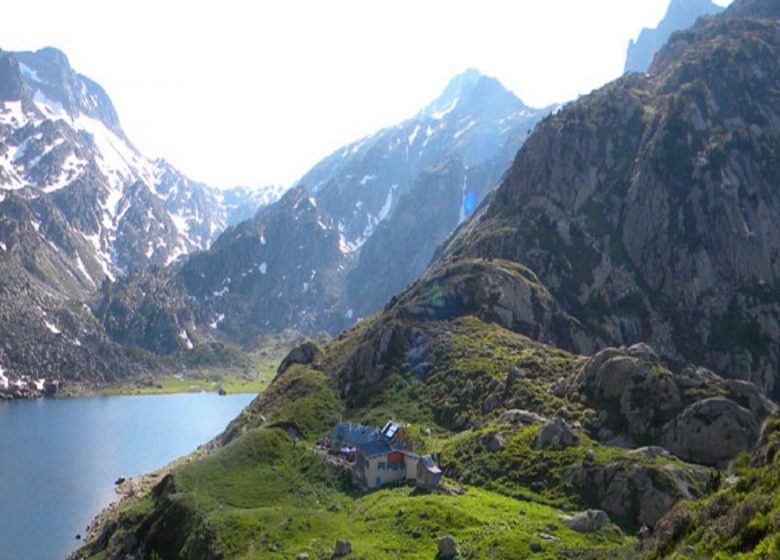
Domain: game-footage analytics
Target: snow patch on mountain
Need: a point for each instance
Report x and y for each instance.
(12, 114)
(185, 337)
(29, 73)
(439, 115)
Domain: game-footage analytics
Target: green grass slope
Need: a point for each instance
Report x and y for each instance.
(264, 492)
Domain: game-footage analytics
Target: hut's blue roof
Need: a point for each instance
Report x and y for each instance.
(369, 441)
(374, 448)
(355, 433)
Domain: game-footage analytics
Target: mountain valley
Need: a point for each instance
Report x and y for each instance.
(597, 339)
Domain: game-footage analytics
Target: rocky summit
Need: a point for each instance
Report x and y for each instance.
(680, 14)
(589, 361)
(79, 205)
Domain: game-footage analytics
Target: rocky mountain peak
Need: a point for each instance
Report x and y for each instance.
(679, 15)
(473, 93)
(12, 86)
(49, 75)
(689, 10)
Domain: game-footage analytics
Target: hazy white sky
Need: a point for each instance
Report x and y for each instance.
(255, 92)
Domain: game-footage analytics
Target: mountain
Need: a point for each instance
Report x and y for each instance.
(475, 118)
(337, 246)
(644, 211)
(267, 274)
(79, 204)
(646, 208)
(680, 14)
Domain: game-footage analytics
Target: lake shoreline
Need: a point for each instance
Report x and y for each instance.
(165, 385)
(134, 487)
(91, 444)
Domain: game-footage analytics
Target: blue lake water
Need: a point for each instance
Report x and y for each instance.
(59, 459)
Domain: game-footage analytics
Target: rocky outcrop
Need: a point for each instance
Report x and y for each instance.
(740, 519)
(496, 291)
(303, 354)
(383, 345)
(694, 413)
(642, 494)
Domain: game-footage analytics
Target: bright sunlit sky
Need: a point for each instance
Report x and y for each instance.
(239, 92)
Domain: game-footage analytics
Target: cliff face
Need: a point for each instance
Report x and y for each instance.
(648, 208)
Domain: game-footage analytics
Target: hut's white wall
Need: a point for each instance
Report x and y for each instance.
(379, 467)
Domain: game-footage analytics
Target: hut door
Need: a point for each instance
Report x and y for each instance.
(378, 481)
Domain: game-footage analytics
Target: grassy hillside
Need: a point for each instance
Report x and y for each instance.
(264, 492)
(265, 496)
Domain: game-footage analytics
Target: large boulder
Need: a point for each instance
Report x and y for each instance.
(646, 394)
(448, 548)
(556, 434)
(587, 521)
(712, 432)
(641, 494)
(381, 345)
(304, 354)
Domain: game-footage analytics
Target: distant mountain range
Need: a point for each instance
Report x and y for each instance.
(360, 226)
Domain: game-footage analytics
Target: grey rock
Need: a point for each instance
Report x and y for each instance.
(638, 492)
(646, 395)
(643, 351)
(342, 548)
(547, 537)
(650, 451)
(304, 353)
(587, 521)
(495, 442)
(559, 388)
(447, 547)
(556, 434)
(519, 417)
(491, 403)
(711, 432)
